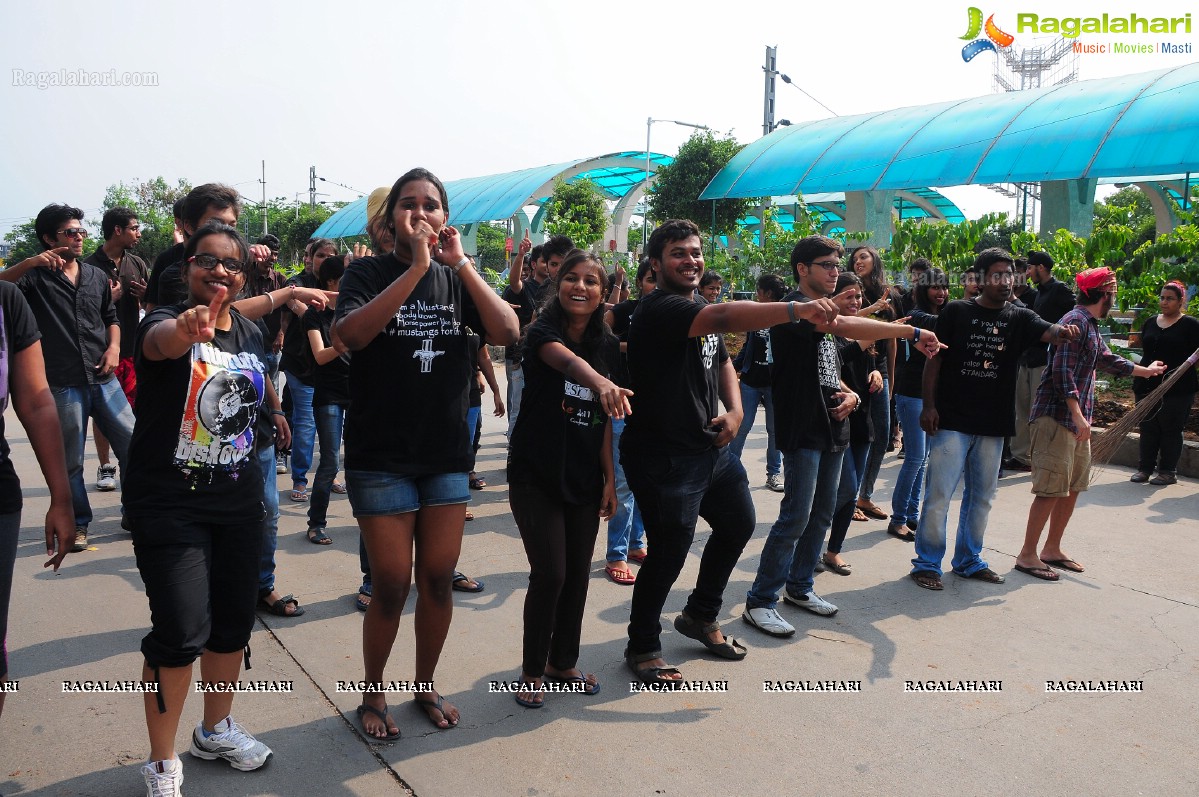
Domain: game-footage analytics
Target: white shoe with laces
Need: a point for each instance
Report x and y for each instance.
(812, 602)
(774, 483)
(163, 778)
(106, 478)
(769, 621)
(231, 742)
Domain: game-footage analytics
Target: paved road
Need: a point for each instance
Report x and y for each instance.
(1130, 618)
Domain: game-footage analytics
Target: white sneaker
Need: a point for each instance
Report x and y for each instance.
(281, 464)
(106, 478)
(768, 621)
(812, 602)
(231, 742)
(163, 778)
(774, 482)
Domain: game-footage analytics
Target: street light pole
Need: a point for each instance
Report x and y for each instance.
(649, 122)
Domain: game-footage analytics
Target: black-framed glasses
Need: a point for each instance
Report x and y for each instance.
(828, 265)
(74, 232)
(209, 262)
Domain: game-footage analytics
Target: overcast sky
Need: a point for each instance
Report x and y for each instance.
(365, 90)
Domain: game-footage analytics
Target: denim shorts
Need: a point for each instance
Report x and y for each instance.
(373, 493)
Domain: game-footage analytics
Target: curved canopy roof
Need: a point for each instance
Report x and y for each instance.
(498, 196)
(1135, 124)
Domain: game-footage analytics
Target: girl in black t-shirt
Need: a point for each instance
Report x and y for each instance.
(330, 396)
(194, 496)
(560, 469)
(404, 315)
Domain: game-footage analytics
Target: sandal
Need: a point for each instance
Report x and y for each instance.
(363, 592)
(279, 607)
(894, 531)
(438, 705)
(651, 676)
(529, 695)
(469, 516)
(465, 579)
(872, 510)
(927, 580)
(299, 494)
(477, 483)
(638, 558)
(859, 515)
(319, 537)
(691, 628)
(833, 567)
(384, 716)
(338, 488)
(986, 574)
(590, 686)
(621, 576)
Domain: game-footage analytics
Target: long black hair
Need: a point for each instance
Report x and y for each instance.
(934, 277)
(597, 333)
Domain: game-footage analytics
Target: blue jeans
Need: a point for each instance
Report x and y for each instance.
(329, 421)
(270, 523)
(106, 404)
(626, 531)
(516, 388)
(303, 428)
(853, 466)
(952, 455)
(905, 498)
(810, 482)
(674, 490)
(880, 417)
(750, 396)
(472, 429)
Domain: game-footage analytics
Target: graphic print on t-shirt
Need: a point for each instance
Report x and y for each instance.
(828, 370)
(580, 405)
(217, 432)
(425, 320)
(708, 346)
(987, 339)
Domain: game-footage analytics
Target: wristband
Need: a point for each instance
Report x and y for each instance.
(458, 266)
(280, 413)
(791, 312)
(916, 339)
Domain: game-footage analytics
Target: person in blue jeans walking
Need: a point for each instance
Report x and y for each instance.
(811, 407)
(752, 364)
(931, 292)
(626, 529)
(969, 392)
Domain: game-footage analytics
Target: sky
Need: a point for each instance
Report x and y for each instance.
(364, 91)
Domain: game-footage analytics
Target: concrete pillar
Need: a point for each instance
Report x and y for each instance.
(1068, 204)
(1163, 209)
(871, 212)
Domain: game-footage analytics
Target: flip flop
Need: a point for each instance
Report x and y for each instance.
(1065, 564)
(622, 577)
(425, 704)
(590, 685)
(363, 591)
(478, 587)
(299, 494)
(873, 511)
(1043, 573)
(338, 488)
(637, 558)
(478, 483)
(319, 537)
(525, 697)
(859, 515)
(383, 716)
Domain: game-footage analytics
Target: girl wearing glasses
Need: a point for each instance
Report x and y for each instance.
(194, 497)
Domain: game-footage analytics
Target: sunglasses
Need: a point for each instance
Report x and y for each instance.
(73, 232)
(209, 262)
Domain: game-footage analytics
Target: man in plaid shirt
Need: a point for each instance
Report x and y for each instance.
(1061, 424)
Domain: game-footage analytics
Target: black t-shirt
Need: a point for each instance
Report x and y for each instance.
(1172, 346)
(856, 365)
(976, 389)
(192, 451)
(805, 375)
(128, 306)
(1051, 301)
(166, 285)
(296, 355)
(331, 381)
(560, 429)
(476, 392)
(409, 386)
(676, 378)
(909, 361)
(756, 360)
(18, 331)
(622, 315)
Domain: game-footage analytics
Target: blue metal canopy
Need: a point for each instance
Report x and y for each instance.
(496, 197)
(1134, 124)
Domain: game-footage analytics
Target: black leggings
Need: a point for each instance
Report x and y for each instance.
(1161, 432)
(559, 540)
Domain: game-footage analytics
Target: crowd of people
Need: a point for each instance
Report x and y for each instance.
(624, 410)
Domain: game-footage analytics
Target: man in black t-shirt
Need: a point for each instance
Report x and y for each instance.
(524, 294)
(811, 405)
(674, 450)
(1051, 300)
(969, 392)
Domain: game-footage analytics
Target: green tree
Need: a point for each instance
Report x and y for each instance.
(1129, 208)
(489, 243)
(293, 223)
(23, 243)
(154, 202)
(577, 210)
(677, 186)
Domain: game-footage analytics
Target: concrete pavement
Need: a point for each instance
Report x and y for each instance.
(1130, 618)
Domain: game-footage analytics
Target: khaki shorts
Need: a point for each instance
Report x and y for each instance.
(1061, 464)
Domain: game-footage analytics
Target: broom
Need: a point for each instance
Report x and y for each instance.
(1103, 449)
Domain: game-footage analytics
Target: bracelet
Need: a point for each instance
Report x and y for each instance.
(280, 413)
(916, 339)
(271, 299)
(458, 266)
(791, 312)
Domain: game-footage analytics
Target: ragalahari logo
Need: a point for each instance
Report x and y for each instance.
(994, 41)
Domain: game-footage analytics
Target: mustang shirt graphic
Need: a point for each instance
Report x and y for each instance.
(223, 398)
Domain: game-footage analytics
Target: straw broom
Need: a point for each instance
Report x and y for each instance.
(1103, 449)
